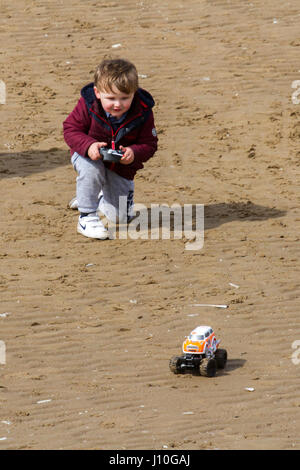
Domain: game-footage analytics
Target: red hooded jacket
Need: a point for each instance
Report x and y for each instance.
(88, 123)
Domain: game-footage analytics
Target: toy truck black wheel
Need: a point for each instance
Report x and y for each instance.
(221, 358)
(208, 367)
(175, 364)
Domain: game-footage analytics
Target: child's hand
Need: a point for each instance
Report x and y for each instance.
(94, 150)
(128, 156)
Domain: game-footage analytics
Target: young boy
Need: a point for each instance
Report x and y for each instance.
(113, 112)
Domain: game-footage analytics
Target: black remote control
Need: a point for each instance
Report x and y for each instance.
(110, 155)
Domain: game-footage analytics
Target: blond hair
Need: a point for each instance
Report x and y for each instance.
(119, 73)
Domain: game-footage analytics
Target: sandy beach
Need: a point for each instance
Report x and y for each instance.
(89, 326)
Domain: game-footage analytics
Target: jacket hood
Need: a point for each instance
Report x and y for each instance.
(87, 92)
(145, 97)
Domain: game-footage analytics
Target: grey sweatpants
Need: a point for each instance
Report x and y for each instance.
(98, 188)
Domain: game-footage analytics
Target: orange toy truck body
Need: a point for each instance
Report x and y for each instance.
(201, 352)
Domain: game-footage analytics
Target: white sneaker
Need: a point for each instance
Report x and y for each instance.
(92, 227)
(73, 204)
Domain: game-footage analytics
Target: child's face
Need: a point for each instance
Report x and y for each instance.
(114, 102)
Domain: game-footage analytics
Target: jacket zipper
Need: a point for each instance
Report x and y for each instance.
(113, 134)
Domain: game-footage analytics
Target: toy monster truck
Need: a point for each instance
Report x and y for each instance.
(200, 352)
